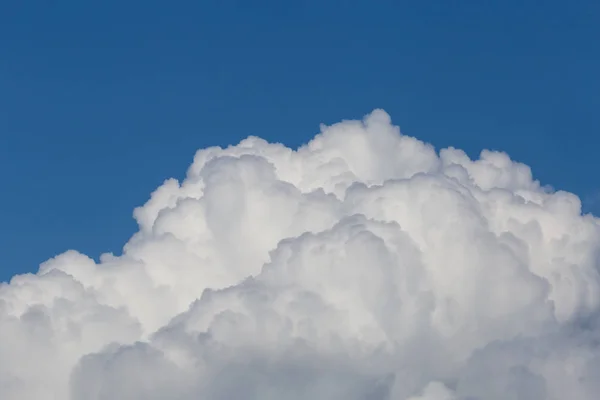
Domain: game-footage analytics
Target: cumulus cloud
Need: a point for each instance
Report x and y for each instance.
(364, 265)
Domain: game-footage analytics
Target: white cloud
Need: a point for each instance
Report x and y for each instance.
(364, 265)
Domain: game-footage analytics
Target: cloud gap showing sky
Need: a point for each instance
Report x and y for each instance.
(364, 265)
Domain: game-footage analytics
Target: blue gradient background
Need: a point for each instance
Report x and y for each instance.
(102, 101)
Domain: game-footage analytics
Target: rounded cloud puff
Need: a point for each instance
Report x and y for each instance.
(363, 265)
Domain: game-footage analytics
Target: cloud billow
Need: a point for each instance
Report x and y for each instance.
(363, 266)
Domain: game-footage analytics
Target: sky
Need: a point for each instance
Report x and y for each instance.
(385, 218)
(100, 102)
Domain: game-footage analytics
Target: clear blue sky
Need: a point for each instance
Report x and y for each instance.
(101, 101)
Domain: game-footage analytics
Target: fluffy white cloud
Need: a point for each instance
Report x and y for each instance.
(364, 265)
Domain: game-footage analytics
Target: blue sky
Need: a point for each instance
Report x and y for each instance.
(101, 101)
